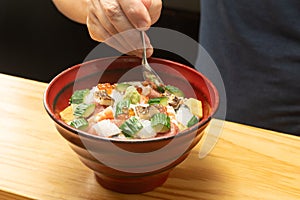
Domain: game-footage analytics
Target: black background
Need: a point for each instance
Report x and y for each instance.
(38, 42)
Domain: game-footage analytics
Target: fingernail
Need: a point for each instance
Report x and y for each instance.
(149, 52)
(143, 25)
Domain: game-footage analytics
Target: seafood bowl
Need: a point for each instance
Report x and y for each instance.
(130, 165)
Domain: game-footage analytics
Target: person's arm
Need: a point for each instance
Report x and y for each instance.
(105, 19)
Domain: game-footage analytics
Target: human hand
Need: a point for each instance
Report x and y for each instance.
(107, 18)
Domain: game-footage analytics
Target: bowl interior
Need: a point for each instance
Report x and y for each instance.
(119, 69)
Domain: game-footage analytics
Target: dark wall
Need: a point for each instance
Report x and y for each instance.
(38, 42)
(186, 22)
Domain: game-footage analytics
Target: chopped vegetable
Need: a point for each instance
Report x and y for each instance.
(132, 94)
(174, 90)
(122, 106)
(194, 120)
(160, 122)
(132, 110)
(159, 100)
(131, 126)
(181, 127)
(78, 96)
(84, 110)
(67, 114)
(80, 123)
(160, 89)
(121, 87)
(195, 106)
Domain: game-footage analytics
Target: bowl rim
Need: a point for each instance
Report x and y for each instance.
(81, 133)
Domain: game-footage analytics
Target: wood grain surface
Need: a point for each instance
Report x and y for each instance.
(37, 163)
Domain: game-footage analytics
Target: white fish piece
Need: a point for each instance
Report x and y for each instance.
(147, 131)
(116, 95)
(106, 128)
(90, 97)
(183, 115)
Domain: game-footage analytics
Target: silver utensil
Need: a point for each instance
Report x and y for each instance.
(148, 73)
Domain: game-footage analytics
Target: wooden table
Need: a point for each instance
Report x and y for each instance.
(37, 163)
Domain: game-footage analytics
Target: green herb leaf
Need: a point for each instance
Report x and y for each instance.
(84, 110)
(121, 105)
(194, 120)
(79, 123)
(78, 96)
(160, 122)
(159, 100)
(121, 87)
(132, 94)
(131, 126)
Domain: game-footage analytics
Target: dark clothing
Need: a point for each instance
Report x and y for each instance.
(256, 46)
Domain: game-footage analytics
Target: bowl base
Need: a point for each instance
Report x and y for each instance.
(132, 185)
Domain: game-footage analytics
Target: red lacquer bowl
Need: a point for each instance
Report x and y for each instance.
(130, 166)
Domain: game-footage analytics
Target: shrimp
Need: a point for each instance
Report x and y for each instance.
(143, 99)
(107, 113)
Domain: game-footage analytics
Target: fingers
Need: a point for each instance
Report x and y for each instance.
(116, 17)
(142, 13)
(98, 33)
(99, 25)
(114, 41)
(101, 28)
(115, 22)
(155, 10)
(137, 13)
